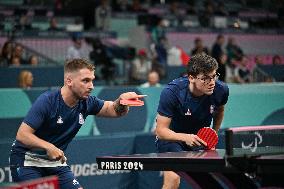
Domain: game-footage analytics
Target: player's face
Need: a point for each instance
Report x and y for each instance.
(205, 84)
(82, 83)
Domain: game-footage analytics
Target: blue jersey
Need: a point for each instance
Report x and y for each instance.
(54, 122)
(189, 113)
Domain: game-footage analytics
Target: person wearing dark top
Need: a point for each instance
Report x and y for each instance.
(187, 104)
(53, 121)
(217, 52)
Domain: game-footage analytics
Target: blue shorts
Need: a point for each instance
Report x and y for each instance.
(65, 176)
(174, 146)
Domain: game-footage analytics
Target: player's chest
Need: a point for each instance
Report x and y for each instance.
(196, 109)
(67, 117)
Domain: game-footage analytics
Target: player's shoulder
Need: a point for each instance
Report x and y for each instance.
(221, 91)
(49, 96)
(221, 87)
(178, 84)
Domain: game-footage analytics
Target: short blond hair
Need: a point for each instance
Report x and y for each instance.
(23, 78)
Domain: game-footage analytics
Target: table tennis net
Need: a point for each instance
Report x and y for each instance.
(254, 140)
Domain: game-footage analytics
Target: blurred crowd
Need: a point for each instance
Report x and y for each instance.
(153, 61)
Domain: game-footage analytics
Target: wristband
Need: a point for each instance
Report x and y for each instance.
(119, 108)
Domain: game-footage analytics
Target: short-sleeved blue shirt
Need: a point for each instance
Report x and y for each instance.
(189, 113)
(55, 122)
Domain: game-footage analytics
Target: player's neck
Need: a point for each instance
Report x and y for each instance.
(68, 97)
(194, 91)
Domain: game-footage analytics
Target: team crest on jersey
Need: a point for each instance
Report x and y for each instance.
(75, 182)
(81, 119)
(59, 120)
(188, 112)
(211, 109)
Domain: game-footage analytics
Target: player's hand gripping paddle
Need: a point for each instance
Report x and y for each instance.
(209, 136)
(133, 102)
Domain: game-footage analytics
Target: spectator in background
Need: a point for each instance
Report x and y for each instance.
(234, 51)
(53, 25)
(6, 53)
(140, 67)
(217, 51)
(101, 59)
(75, 51)
(258, 60)
(160, 46)
(33, 60)
(18, 52)
(276, 60)
(153, 80)
(103, 15)
(25, 79)
(15, 62)
(199, 48)
(222, 62)
(242, 73)
(25, 23)
(158, 32)
(217, 48)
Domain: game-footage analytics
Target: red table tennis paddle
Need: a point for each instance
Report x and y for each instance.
(132, 102)
(209, 136)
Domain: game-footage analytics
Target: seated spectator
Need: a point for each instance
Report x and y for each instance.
(53, 26)
(258, 60)
(25, 23)
(15, 62)
(140, 67)
(242, 73)
(75, 51)
(199, 48)
(25, 79)
(18, 51)
(276, 60)
(153, 80)
(6, 53)
(33, 60)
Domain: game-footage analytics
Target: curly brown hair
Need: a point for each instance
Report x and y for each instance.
(201, 63)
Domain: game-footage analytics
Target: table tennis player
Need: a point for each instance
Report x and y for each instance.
(53, 121)
(186, 105)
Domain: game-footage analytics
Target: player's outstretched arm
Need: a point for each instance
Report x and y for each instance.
(115, 108)
(26, 136)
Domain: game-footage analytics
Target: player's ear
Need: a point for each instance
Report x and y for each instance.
(191, 78)
(68, 79)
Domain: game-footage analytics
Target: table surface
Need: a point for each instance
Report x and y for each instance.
(197, 161)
